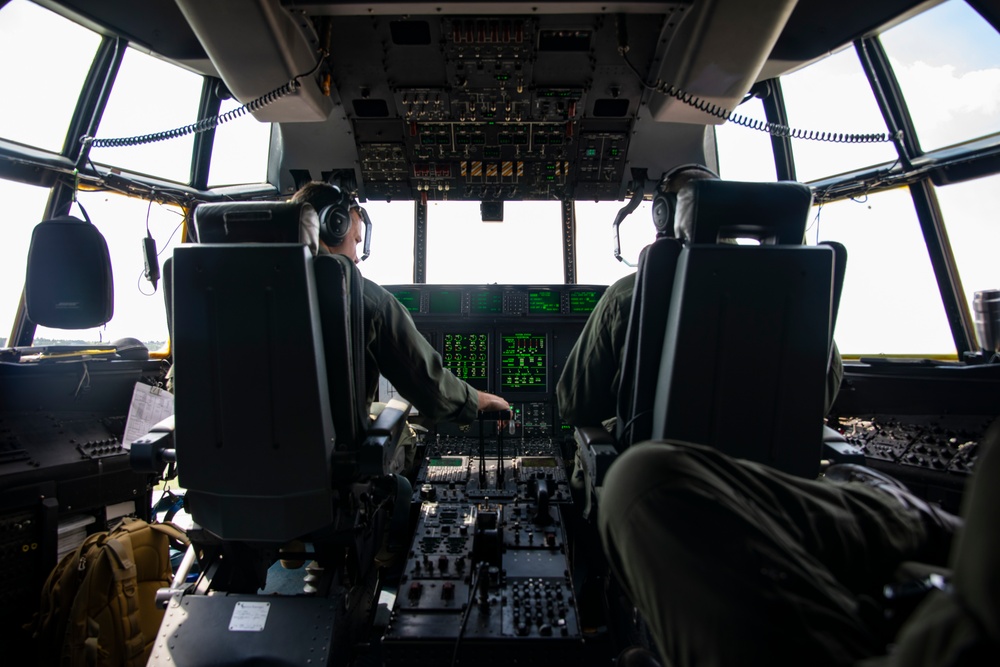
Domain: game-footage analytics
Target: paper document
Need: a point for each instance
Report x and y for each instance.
(150, 405)
(386, 392)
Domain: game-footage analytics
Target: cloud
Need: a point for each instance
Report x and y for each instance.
(949, 106)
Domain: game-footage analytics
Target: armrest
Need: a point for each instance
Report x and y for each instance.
(838, 450)
(381, 438)
(152, 452)
(597, 452)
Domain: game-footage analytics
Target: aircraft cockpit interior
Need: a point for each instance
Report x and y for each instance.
(370, 298)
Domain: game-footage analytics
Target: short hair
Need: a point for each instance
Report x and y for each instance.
(665, 199)
(319, 194)
(678, 177)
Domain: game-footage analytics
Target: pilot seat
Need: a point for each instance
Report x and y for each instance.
(272, 440)
(730, 333)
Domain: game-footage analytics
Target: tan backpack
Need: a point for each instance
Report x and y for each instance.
(98, 605)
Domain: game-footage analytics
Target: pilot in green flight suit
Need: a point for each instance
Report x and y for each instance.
(587, 390)
(588, 387)
(394, 348)
(731, 562)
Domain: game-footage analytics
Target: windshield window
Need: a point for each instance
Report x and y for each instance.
(595, 259)
(391, 259)
(523, 249)
(36, 109)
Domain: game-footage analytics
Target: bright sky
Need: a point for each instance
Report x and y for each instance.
(953, 90)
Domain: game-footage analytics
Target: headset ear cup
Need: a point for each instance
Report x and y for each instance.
(663, 212)
(665, 199)
(334, 224)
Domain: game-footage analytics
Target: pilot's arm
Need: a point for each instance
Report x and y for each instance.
(834, 376)
(587, 391)
(397, 350)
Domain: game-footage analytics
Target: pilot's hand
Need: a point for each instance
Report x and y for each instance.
(490, 403)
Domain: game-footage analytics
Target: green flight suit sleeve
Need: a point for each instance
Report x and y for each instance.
(408, 361)
(833, 378)
(587, 391)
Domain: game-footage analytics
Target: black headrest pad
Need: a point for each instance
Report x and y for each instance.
(68, 283)
(710, 211)
(256, 222)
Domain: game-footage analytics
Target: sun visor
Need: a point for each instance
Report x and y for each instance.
(715, 52)
(267, 51)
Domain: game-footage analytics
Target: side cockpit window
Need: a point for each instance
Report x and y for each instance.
(23, 207)
(150, 96)
(952, 89)
(46, 59)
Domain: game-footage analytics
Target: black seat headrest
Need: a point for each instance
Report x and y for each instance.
(710, 211)
(68, 282)
(257, 222)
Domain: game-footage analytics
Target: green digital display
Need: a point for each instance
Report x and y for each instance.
(543, 301)
(446, 461)
(582, 301)
(409, 299)
(486, 303)
(467, 355)
(539, 462)
(446, 302)
(523, 362)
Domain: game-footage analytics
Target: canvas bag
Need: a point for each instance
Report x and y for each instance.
(98, 605)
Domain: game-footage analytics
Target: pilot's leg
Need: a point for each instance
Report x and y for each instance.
(731, 562)
(962, 627)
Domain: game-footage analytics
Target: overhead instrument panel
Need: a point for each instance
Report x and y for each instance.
(492, 107)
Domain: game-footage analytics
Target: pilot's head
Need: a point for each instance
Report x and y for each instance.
(349, 246)
(339, 216)
(665, 199)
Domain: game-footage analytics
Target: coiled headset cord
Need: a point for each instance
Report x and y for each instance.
(206, 124)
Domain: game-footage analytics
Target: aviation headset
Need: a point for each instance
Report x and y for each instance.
(665, 199)
(335, 217)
